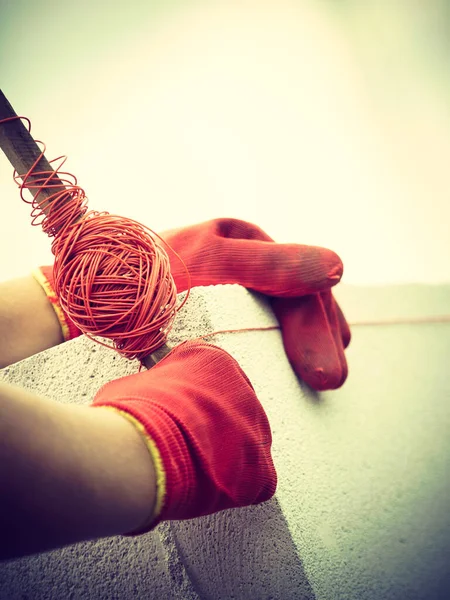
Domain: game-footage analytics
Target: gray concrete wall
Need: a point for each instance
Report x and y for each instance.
(361, 507)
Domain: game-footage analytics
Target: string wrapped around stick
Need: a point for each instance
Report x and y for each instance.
(112, 274)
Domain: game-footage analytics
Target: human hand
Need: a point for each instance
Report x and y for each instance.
(206, 430)
(297, 278)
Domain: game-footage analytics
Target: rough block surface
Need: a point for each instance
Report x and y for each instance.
(361, 506)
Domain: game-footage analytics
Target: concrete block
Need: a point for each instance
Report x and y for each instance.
(361, 506)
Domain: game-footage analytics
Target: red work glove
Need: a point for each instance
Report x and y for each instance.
(298, 279)
(205, 428)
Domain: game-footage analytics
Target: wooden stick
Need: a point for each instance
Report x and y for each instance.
(22, 152)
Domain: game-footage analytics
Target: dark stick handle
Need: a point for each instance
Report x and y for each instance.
(22, 152)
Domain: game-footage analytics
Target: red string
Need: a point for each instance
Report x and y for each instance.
(111, 274)
(368, 323)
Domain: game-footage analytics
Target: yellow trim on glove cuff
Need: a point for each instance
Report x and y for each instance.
(53, 299)
(157, 463)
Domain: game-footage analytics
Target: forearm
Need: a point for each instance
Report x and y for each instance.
(28, 322)
(68, 473)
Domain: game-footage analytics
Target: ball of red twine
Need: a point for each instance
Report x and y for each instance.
(113, 280)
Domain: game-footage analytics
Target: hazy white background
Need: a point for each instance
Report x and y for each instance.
(325, 122)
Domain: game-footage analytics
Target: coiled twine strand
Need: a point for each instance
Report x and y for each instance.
(111, 274)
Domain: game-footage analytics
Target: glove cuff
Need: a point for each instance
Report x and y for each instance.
(44, 276)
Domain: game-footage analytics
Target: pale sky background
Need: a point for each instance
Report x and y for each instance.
(324, 122)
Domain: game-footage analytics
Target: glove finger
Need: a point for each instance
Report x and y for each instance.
(280, 270)
(318, 263)
(309, 342)
(345, 328)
